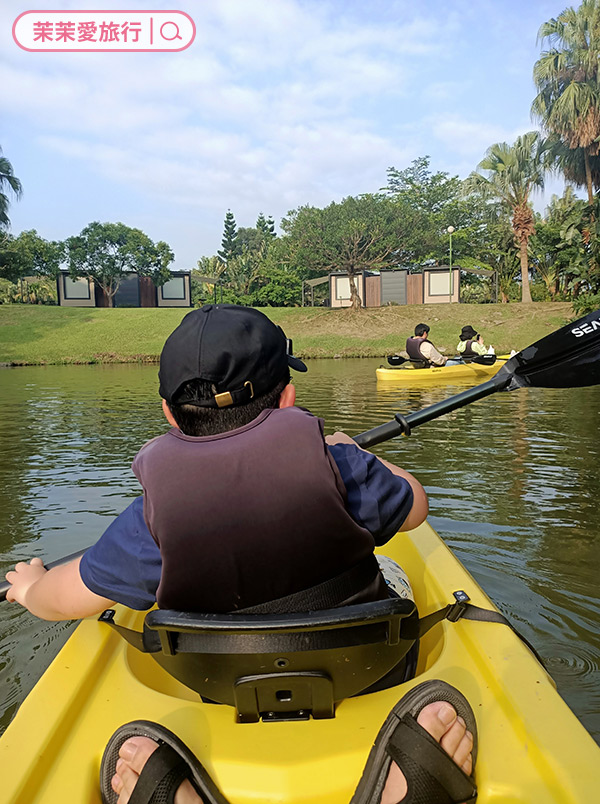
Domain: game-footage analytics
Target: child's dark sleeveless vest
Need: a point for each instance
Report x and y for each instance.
(468, 351)
(247, 516)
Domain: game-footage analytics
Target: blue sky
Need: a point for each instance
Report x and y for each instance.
(276, 104)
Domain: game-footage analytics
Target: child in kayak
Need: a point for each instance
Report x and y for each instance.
(245, 501)
(470, 343)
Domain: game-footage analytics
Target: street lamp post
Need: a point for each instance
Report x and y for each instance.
(450, 230)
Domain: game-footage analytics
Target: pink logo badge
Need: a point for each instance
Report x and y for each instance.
(109, 31)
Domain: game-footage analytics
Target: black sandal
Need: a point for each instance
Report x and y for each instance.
(432, 776)
(166, 768)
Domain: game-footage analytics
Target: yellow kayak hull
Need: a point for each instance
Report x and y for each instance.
(462, 373)
(532, 747)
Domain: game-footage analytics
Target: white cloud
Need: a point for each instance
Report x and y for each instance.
(276, 104)
(469, 140)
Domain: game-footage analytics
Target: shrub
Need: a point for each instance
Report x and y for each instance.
(586, 303)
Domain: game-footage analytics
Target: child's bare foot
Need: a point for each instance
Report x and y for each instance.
(441, 722)
(133, 755)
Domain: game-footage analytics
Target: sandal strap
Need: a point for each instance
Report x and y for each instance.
(431, 775)
(160, 777)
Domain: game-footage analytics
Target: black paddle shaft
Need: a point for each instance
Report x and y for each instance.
(402, 425)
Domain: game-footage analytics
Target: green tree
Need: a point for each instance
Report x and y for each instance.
(567, 78)
(266, 226)
(422, 189)
(572, 163)
(242, 272)
(249, 238)
(104, 252)
(513, 172)
(278, 283)
(204, 292)
(230, 246)
(557, 257)
(441, 202)
(580, 233)
(28, 254)
(368, 232)
(8, 182)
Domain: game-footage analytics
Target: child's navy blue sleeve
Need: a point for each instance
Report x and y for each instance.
(125, 564)
(378, 500)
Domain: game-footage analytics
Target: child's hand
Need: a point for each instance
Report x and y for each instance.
(22, 578)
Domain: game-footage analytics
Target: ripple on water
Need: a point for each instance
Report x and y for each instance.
(27, 646)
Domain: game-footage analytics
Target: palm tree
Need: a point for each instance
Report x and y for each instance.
(9, 181)
(576, 166)
(514, 171)
(566, 76)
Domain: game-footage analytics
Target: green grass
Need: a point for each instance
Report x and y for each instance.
(31, 334)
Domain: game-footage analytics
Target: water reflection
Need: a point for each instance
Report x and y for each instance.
(513, 482)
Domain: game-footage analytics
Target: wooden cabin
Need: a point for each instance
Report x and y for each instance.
(133, 291)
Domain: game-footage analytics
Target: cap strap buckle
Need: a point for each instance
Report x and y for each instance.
(228, 398)
(224, 400)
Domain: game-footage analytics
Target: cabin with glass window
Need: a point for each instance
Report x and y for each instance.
(133, 291)
(437, 284)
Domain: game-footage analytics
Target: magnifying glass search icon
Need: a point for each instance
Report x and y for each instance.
(170, 38)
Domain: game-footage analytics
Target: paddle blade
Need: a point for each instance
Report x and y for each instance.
(396, 360)
(567, 358)
(482, 360)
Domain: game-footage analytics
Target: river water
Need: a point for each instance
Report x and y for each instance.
(513, 483)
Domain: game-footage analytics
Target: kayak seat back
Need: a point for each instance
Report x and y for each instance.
(283, 666)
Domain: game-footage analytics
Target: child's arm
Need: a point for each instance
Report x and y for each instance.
(420, 507)
(56, 594)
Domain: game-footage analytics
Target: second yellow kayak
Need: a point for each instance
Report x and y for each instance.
(462, 372)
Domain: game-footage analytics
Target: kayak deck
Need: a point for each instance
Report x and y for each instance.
(532, 748)
(465, 372)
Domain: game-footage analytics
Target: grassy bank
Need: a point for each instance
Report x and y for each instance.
(31, 334)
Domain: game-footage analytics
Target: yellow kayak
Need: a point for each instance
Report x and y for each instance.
(531, 746)
(407, 374)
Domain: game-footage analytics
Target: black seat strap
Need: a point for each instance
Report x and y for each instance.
(327, 595)
(149, 641)
(146, 641)
(461, 608)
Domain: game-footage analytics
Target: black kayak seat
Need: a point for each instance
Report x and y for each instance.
(280, 666)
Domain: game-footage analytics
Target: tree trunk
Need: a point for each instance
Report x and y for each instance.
(526, 292)
(588, 177)
(504, 297)
(109, 295)
(356, 303)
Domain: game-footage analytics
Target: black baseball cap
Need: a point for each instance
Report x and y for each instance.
(237, 349)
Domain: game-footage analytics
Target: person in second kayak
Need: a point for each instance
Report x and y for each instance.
(419, 347)
(470, 343)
